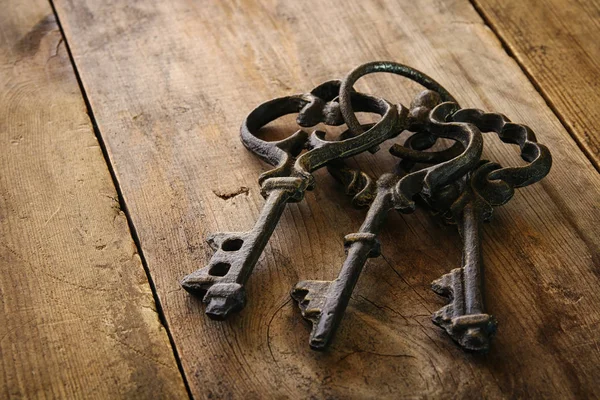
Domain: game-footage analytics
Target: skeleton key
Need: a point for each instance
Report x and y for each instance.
(323, 302)
(222, 281)
(465, 319)
(236, 253)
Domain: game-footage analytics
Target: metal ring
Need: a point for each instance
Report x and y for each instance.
(317, 110)
(382, 66)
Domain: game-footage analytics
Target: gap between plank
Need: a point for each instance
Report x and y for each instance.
(488, 22)
(122, 203)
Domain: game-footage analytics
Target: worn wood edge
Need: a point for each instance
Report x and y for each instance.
(79, 319)
(123, 206)
(514, 52)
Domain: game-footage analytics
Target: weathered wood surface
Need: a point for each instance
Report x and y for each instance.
(170, 83)
(558, 44)
(78, 317)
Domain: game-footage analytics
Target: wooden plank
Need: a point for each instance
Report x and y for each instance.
(78, 317)
(170, 83)
(556, 42)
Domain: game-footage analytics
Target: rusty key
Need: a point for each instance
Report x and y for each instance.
(323, 302)
(489, 185)
(221, 282)
(464, 318)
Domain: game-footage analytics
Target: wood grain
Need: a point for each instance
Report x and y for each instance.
(169, 84)
(78, 319)
(556, 42)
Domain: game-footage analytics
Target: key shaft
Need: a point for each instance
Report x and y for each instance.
(222, 281)
(473, 259)
(324, 302)
(464, 318)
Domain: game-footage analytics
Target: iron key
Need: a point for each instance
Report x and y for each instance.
(236, 253)
(464, 319)
(221, 282)
(489, 185)
(324, 302)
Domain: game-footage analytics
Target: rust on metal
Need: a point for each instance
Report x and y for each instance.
(454, 182)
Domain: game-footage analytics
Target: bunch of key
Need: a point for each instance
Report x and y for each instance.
(455, 183)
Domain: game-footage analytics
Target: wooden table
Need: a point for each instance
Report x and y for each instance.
(120, 153)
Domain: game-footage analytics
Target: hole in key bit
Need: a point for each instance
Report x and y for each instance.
(300, 296)
(232, 244)
(219, 269)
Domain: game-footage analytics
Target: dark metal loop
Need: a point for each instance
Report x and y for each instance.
(428, 180)
(357, 183)
(285, 154)
(501, 182)
(411, 151)
(346, 88)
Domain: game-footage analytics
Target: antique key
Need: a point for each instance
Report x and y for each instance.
(489, 185)
(324, 302)
(464, 318)
(222, 281)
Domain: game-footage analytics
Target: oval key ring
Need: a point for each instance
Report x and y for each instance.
(313, 108)
(382, 66)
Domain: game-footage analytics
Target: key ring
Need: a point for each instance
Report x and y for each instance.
(382, 66)
(428, 180)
